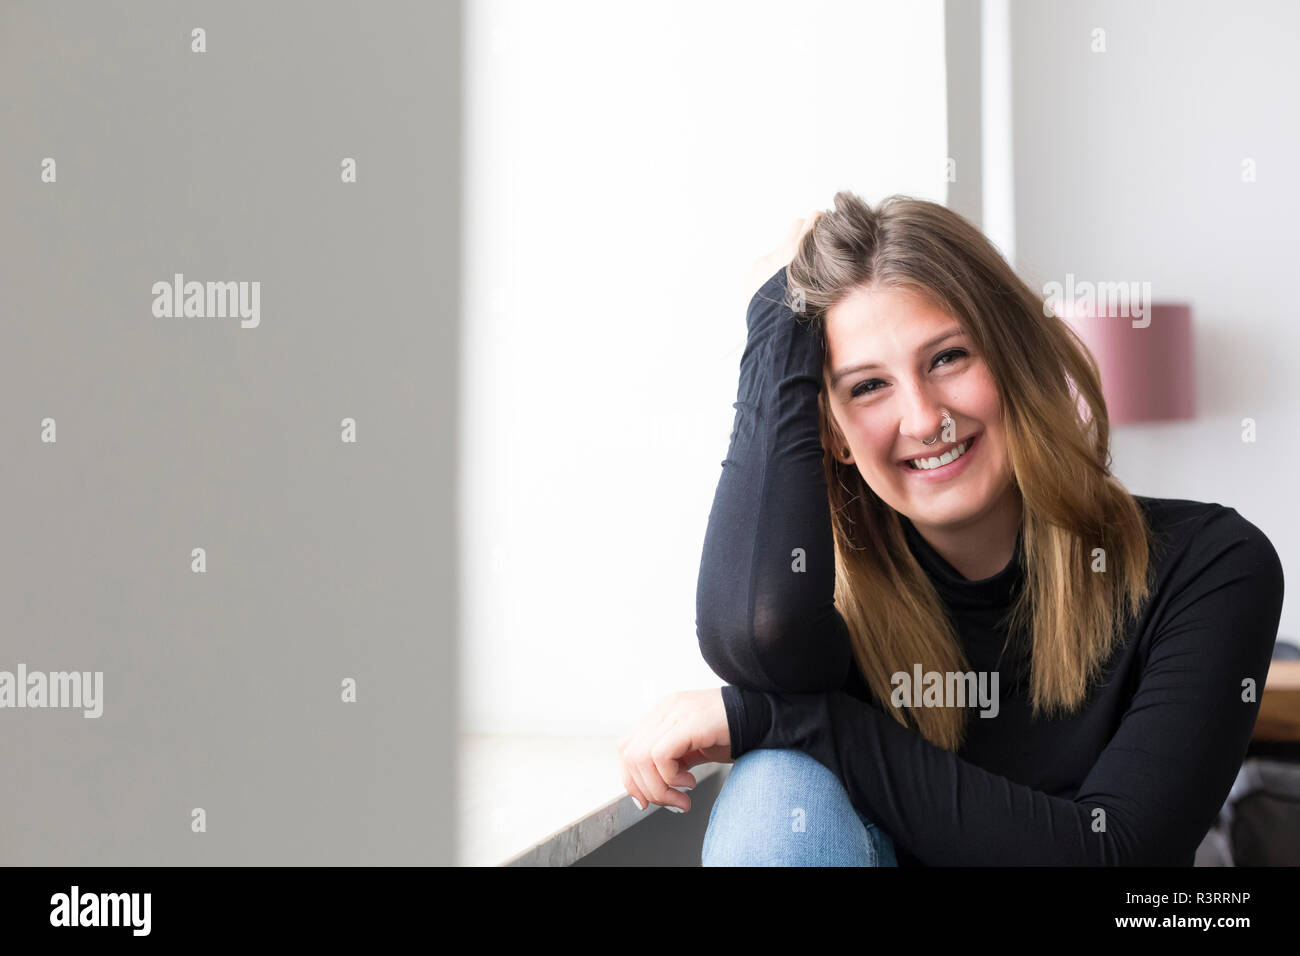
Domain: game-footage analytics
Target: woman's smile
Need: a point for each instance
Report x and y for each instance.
(944, 472)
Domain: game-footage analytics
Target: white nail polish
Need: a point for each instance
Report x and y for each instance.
(676, 809)
(638, 803)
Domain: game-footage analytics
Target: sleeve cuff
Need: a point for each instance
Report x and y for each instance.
(749, 717)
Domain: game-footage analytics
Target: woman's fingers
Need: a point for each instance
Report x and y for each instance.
(646, 784)
(643, 784)
(632, 789)
(664, 757)
(643, 759)
(643, 793)
(627, 767)
(794, 232)
(685, 729)
(685, 779)
(690, 759)
(810, 222)
(797, 231)
(648, 759)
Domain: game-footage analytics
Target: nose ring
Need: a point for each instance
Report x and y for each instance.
(947, 420)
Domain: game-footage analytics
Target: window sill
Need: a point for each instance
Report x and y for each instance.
(542, 801)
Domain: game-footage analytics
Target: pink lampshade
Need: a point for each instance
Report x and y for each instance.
(1146, 371)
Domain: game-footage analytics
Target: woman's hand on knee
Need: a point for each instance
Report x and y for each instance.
(680, 731)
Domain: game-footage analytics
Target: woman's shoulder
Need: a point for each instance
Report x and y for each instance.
(1193, 536)
(1183, 515)
(1218, 588)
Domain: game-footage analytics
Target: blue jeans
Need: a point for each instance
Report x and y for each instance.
(783, 808)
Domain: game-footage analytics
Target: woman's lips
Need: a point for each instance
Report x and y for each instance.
(944, 471)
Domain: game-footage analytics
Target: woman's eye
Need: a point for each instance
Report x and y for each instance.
(956, 353)
(861, 388)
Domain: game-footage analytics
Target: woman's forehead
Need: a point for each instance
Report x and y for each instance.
(889, 318)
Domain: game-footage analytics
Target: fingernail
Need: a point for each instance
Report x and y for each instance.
(638, 803)
(676, 809)
(683, 788)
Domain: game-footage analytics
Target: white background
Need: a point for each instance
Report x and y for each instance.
(625, 165)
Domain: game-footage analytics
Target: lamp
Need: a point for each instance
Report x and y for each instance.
(1146, 364)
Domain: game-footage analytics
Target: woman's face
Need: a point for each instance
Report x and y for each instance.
(896, 362)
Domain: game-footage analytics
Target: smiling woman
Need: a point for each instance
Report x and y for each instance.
(1117, 628)
(922, 334)
(924, 360)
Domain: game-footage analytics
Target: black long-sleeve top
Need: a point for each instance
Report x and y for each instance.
(1156, 748)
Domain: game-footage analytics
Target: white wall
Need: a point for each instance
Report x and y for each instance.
(625, 165)
(1128, 166)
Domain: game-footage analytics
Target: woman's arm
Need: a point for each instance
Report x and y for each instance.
(1159, 782)
(765, 618)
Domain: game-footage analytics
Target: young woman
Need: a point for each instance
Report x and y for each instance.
(950, 636)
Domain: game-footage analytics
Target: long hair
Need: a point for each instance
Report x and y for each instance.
(1069, 615)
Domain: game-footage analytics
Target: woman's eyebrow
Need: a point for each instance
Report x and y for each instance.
(924, 347)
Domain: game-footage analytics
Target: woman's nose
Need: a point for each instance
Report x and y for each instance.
(925, 418)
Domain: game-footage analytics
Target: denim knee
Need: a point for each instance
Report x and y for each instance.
(784, 808)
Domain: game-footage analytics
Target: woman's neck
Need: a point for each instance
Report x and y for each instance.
(985, 544)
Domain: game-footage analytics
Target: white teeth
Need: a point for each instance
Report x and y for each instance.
(925, 464)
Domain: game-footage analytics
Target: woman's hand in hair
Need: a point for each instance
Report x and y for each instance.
(682, 730)
(765, 266)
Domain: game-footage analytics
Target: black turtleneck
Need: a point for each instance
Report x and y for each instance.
(1136, 776)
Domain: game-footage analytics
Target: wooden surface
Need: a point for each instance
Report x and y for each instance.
(1279, 708)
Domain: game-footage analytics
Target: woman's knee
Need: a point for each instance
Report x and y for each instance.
(784, 808)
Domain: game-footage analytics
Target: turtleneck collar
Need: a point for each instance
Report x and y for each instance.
(958, 592)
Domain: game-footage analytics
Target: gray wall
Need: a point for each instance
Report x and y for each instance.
(963, 61)
(325, 560)
(1128, 167)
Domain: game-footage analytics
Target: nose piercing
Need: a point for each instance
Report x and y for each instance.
(947, 420)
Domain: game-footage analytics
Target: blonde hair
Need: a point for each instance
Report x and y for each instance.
(1059, 459)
